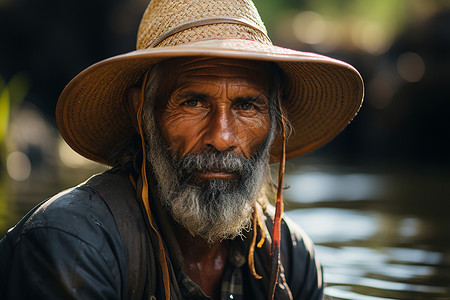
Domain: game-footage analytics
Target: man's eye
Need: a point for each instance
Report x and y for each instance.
(245, 106)
(191, 103)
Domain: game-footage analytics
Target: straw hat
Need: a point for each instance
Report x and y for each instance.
(322, 94)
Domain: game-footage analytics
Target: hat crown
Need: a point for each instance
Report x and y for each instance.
(175, 22)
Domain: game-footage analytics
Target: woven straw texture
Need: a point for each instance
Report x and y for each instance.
(323, 94)
(162, 16)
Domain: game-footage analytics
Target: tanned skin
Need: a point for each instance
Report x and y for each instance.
(210, 103)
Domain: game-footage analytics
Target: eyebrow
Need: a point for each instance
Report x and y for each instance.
(256, 99)
(251, 99)
(192, 95)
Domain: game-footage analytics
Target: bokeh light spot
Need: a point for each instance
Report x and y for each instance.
(411, 67)
(370, 37)
(309, 27)
(70, 158)
(18, 166)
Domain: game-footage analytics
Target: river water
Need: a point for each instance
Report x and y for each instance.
(379, 233)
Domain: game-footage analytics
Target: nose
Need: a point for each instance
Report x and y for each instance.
(220, 133)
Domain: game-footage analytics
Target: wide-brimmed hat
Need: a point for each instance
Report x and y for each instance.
(322, 94)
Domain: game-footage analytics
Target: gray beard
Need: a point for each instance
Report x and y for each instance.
(213, 209)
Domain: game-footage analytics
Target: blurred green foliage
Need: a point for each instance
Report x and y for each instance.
(393, 15)
(4, 120)
(11, 96)
(4, 110)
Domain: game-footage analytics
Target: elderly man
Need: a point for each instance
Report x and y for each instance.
(189, 123)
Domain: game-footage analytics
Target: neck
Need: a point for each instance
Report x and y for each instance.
(203, 262)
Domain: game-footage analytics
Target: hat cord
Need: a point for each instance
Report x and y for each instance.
(276, 230)
(251, 252)
(161, 254)
(204, 22)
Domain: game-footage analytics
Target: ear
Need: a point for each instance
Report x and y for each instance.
(132, 101)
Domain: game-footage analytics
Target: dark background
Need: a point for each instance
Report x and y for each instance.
(46, 43)
(397, 147)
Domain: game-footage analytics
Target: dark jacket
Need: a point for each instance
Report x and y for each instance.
(77, 245)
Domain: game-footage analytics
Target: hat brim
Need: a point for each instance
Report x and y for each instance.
(322, 95)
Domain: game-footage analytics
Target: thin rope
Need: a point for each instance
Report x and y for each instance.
(161, 254)
(263, 237)
(204, 22)
(251, 252)
(276, 231)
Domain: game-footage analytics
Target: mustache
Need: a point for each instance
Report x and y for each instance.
(214, 161)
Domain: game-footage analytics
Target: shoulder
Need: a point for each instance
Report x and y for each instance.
(83, 206)
(73, 241)
(79, 215)
(78, 211)
(302, 268)
(293, 236)
(297, 236)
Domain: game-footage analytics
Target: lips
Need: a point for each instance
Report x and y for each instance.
(220, 174)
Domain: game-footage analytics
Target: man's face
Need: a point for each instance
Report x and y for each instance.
(218, 104)
(209, 133)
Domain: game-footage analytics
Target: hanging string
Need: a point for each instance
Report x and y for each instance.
(161, 254)
(251, 252)
(263, 237)
(276, 231)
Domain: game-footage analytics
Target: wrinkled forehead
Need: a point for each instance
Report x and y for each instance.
(177, 70)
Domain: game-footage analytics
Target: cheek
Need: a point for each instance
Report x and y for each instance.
(253, 133)
(180, 132)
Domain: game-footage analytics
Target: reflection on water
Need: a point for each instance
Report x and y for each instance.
(336, 224)
(378, 246)
(320, 186)
(379, 235)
